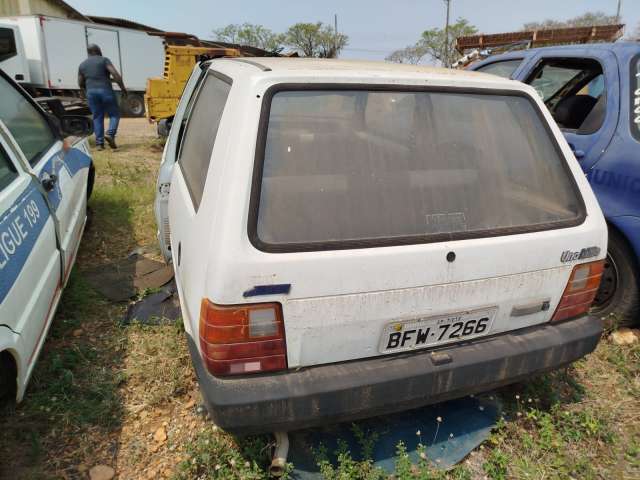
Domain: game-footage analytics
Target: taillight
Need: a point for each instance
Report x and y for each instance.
(242, 339)
(580, 291)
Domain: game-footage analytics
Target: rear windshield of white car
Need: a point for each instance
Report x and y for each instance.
(358, 168)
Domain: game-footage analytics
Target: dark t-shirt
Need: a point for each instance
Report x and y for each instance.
(94, 70)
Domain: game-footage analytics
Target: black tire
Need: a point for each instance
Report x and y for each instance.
(133, 105)
(618, 299)
(90, 183)
(8, 375)
(91, 180)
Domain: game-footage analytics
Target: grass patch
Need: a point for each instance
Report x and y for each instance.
(214, 455)
(626, 360)
(158, 365)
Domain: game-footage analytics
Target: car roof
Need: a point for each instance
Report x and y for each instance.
(518, 54)
(308, 67)
(598, 46)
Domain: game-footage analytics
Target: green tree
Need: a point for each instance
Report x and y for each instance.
(433, 43)
(315, 40)
(585, 20)
(250, 35)
(412, 54)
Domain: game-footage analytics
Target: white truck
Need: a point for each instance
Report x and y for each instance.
(43, 53)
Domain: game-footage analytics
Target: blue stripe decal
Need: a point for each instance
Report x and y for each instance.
(258, 290)
(75, 160)
(20, 227)
(72, 161)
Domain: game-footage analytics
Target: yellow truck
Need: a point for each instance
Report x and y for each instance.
(162, 94)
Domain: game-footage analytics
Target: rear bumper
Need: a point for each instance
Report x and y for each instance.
(364, 388)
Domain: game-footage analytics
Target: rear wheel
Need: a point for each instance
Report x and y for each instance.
(8, 375)
(91, 179)
(133, 105)
(618, 299)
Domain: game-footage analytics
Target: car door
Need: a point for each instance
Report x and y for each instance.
(109, 43)
(30, 262)
(171, 149)
(201, 144)
(63, 173)
(550, 72)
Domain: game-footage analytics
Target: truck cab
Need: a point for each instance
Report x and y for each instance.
(12, 58)
(593, 94)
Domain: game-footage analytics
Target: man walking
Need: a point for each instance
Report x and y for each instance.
(94, 77)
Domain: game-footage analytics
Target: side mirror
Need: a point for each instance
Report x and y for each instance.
(76, 125)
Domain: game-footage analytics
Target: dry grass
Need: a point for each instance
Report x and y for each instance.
(157, 365)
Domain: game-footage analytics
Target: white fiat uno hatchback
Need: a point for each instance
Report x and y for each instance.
(351, 239)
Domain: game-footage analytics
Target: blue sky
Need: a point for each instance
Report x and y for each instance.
(375, 27)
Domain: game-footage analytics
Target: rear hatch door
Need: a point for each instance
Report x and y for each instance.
(407, 218)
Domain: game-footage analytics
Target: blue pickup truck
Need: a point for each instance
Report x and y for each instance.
(593, 93)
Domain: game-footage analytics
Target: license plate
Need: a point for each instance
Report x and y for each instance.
(428, 331)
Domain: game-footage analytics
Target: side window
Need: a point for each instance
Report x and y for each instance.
(8, 172)
(27, 125)
(503, 69)
(550, 79)
(187, 110)
(7, 44)
(200, 134)
(634, 86)
(574, 90)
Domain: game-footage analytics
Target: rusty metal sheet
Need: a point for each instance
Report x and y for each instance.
(119, 281)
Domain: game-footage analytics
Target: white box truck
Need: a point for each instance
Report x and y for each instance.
(43, 53)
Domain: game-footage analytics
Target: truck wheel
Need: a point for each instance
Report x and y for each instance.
(133, 105)
(618, 299)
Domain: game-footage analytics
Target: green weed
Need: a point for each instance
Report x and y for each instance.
(214, 455)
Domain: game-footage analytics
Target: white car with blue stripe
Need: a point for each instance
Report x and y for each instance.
(45, 182)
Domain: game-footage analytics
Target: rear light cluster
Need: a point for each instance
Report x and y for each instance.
(241, 339)
(580, 291)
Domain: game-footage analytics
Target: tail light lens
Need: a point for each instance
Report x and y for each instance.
(242, 339)
(580, 291)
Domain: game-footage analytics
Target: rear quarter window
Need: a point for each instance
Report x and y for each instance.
(353, 168)
(635, 97)
(200, 134)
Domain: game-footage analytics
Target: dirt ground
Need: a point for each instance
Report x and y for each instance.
(124, 397)
(134, 128)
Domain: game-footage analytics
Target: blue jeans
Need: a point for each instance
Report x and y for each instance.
(101, 101)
